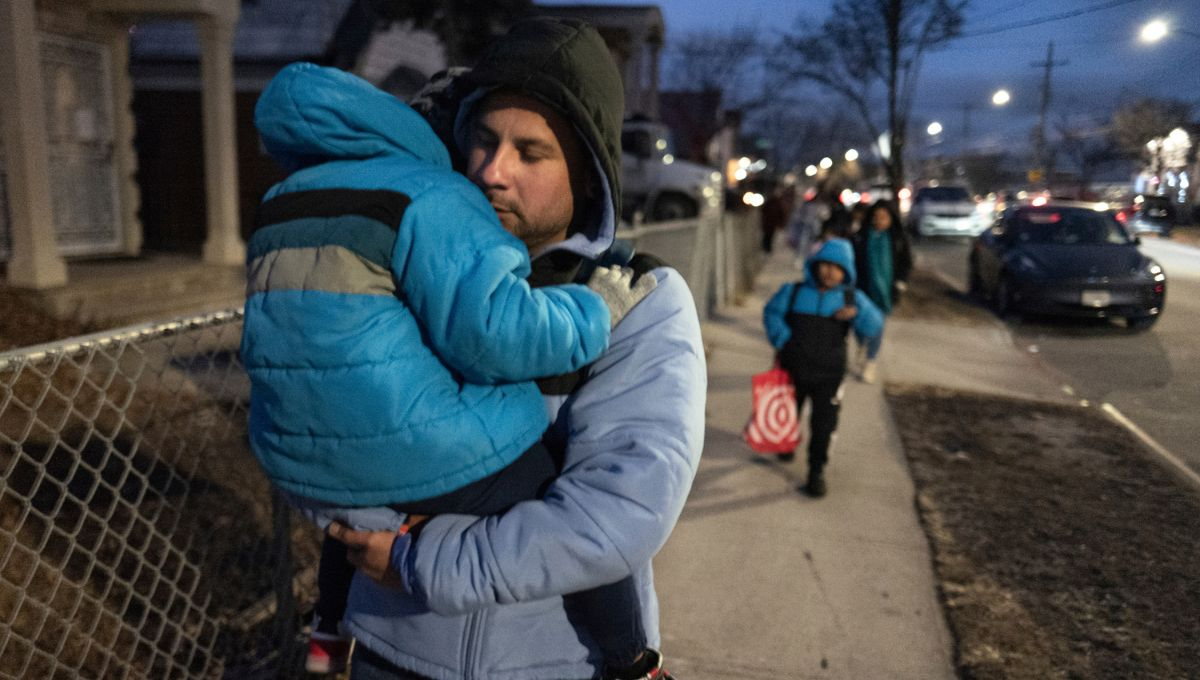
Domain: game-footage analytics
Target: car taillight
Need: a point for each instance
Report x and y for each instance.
(1122, 216)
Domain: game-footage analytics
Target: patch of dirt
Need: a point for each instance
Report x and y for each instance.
(1062, 548)
(930, 298)
(22, 324)
(1189, 235)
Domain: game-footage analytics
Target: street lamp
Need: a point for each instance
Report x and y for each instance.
(1153, 31)
(852, 155)
(935, 128)
(810, 171)
(1157, 29)
(826, 163)
(1001, 97)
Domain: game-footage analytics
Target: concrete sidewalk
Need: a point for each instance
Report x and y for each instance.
(760, 581)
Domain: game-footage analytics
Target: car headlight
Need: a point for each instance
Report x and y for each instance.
(1154, 271)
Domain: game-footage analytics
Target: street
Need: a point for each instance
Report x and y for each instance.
(1151, 378)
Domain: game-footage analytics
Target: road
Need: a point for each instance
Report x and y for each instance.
(1152, 378)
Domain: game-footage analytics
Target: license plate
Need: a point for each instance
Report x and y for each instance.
(1096, 298)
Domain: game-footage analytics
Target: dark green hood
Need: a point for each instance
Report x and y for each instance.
(564, 63)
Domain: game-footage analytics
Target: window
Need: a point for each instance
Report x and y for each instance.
(1066, 226)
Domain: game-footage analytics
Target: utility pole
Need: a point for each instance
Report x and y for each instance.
(1040, 140)
(966, 107)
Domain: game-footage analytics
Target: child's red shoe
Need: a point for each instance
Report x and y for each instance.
(327, 653)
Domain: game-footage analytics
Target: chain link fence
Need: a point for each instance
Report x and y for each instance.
(718, 252)
(138, 537)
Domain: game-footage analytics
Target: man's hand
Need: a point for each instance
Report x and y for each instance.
(371, 551)
(615, 285)
(846, 313)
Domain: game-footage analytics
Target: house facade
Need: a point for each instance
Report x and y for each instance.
(126, 126)
(67, 160)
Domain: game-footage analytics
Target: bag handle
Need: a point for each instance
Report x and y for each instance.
(792, 298)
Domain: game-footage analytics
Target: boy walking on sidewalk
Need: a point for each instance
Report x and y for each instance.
(807, 323)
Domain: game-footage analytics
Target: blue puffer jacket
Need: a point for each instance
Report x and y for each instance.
(388, 320)
(812, 300)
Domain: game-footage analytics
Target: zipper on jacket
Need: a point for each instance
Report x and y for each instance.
(470, 651)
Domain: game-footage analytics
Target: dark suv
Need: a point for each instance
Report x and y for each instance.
(1149, 215)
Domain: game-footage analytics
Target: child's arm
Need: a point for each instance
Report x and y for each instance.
(868, 323)
(464, 278)
(778, 332)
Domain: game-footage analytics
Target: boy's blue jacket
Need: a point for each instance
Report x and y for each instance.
(868, 323)
(388, 321)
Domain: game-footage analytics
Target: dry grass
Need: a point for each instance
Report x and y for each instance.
(1062, 549)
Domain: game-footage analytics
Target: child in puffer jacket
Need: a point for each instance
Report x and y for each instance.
(390, 337)
(807, 324)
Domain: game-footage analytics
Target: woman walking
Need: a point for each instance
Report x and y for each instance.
(883, 259)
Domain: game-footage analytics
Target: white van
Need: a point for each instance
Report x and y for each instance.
(656, 183)
(944, 211)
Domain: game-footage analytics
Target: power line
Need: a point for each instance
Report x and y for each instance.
(1098, 40)
(1047, 19)
(1006, 10)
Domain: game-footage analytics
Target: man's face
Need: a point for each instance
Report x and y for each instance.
(829, 274)
(526, 159)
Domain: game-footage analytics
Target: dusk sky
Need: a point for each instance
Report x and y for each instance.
(1106, 61)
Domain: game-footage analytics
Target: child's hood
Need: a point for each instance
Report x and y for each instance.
(310, 114)
(835, 250)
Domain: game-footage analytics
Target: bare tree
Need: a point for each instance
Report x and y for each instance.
(797, 133)
(1142, 120)
(1088, 147)
(732, 64)
(727, 61)
(866, 44)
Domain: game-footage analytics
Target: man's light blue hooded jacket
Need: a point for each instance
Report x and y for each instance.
(486, 598)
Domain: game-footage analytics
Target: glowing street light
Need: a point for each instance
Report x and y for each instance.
(1155, 30)
(935, 128)
(852, 155)
(826, 162)
(810, 171)
(1001, 97)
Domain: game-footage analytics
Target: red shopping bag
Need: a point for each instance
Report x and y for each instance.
(774, 425)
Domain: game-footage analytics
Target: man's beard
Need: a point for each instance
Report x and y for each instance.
(534, 235)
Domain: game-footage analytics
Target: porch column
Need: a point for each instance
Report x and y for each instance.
(223, 244)
(34, 261)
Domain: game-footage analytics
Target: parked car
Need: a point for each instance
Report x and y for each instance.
(944, 211)
(655, 182)
(881, 190)
(1066, 259)
(1148, 215)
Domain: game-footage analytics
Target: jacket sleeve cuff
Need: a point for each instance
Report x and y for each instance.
(401, 562)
